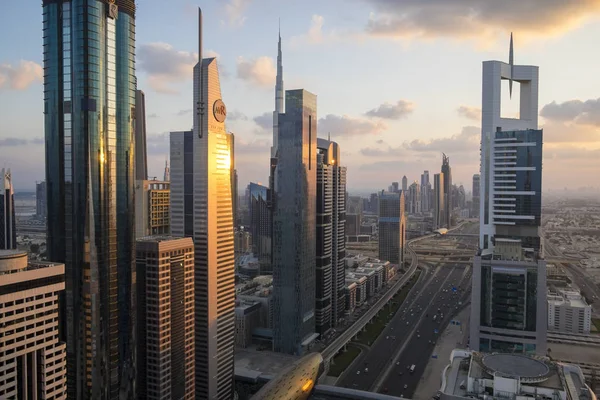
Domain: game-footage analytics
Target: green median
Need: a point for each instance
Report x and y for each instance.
(342, 360)
(374, 328)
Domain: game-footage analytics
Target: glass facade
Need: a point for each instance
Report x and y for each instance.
(89, 110)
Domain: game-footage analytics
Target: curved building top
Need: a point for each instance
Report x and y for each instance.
(295, 382)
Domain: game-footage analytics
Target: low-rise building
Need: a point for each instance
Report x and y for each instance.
(248, 266)
(486, 376)
(357, 260)
(568, 312)
(361, 288)
(350, 290)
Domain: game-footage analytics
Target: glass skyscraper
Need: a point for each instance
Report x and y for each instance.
(392, 227)
(8, 229)
(89, 110)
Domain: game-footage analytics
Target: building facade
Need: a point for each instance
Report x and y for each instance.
(8, 227)
(448, 198)
(33, 358)
(152, 205)
(425, 192)
(201, 208)
(260, 224)
(392, 227)
(568, 312)
(141, 156)
(414, 198)
(165, 325)
(40, 200)
(294, 229)
(476, 196)
(331, 236)
(508, 303)
(89, 123)
(439, 214)
(404, 184)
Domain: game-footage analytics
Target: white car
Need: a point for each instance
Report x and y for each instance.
(357, 372)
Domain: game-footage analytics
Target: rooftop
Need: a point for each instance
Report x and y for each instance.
(264, 365)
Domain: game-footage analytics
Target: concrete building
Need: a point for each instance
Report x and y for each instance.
(247, 318)
(201, 208)
(141, 156)
(8, 221)
(165, 330)
(392, 227)
(248, 266)
(32, 357)
(474, 375)
(294, 233)
(353, 224)
(439, 214)
(261, 291)
(356, 261)
(242, 242)
(331, 236)
(425, 192)
(414, 198)
(152, 208)
(89, 122)
(447, 190)
(568, 312)
(360, 289)
(476, 202)
(404, 184)
(350, 289)
(40, 200)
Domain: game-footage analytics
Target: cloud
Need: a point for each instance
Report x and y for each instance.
(576, 111)
(349, 126)
(236, 115)
(15, 142)
(565, 132)
(181, 113)
(316, 35)
(20, 77)
(153, 115)
(392, 111)
(468, 112)
(165, 65)
(465, 142)
(260, 71)
(388, 152)
(158, 143)
(477, 19)
(265, 121)
(245, 147)
(234, 9)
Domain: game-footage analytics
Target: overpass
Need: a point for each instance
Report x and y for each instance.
(346, 336)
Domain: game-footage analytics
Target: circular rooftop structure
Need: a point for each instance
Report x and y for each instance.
(516, 366)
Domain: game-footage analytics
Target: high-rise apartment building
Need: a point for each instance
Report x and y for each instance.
(40, 200)
(395, 187)
(425, 192)
(165, 325)
(294, 229)
(476, 196)
(392, 227)
(568, 312)
(414, 198)
(508, 304)
(439, 214)
(32, 356)
(448, 198)
(89, 117)
(331, 236)
(152, 205)
(404, 184)
(260, 224)
(8, 228)
(201, 208)
(141, 156)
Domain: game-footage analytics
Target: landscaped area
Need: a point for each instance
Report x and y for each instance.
(596, 323)
(374, 329)
(341, 361)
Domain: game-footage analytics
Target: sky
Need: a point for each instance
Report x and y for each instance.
(398, 81)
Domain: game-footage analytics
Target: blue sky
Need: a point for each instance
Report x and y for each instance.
(398, 81)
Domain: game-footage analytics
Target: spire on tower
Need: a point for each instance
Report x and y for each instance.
(278, 96)
(167, 174)
(511, 62)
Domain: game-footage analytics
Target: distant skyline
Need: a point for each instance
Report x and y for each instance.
(396, 86)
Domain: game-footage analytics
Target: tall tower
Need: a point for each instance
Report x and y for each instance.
(141, 156)
(392, 227)
(89, 123)
(439, 214)
(278, 98)
(201, 208)
(476, 195)
(294, 229)
(167, 172)
(331, 236)
(508, 303)
(404, 184)
(8, 229)
(448, 208)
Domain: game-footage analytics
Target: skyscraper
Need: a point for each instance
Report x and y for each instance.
(165, 328)
(446, 170)
(279, 100)
(167, 172)
(392, 227)
(404, 184)
(40, 199)
(414, 198)
(294, 230)
(8, 228)
(33, 357)
(476, 196)
(425, 192)
(331, 236)
(141, 156)
(260, 224)
(89, 117)
(439, 214)
(152, 208)
(508, 303)
(201, 208)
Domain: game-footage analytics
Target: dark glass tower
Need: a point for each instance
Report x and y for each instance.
(89, 110)
(8, 229)
(447, 171)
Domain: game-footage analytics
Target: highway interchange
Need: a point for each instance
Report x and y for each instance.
(409, 338)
